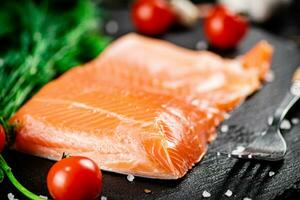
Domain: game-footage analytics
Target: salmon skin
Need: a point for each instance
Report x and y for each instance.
(144, 107)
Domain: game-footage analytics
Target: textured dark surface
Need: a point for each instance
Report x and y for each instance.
(214, 174)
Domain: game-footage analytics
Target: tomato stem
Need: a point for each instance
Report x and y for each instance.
(7, 170)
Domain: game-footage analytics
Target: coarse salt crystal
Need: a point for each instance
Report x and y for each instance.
(247, 198)
(229, 155)
(112, 27)
(130, 177)
(270, 120)
(270, 76)
(285, 124)
(295, 121)
(271, 173)
(206, 194)
(224, 128)
(250, 156)
(201, 45)
(218, 153)
(103, 198)
(10, 196)
(228, 193)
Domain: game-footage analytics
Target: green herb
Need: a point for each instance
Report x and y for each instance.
(39, 41)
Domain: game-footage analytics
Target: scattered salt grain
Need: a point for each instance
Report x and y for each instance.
(270, 76)
(295, 121)
(103, 198)
(130, 177)
(270, 120)
(218, 153)
(285, 124)
(229, 155)
(263, 133)
(201, 45)
(147, 191)
(247, 198)
(228, 193)
(250, 156)
(206, 194)
(271, 173)
(111, 27)
(10, 196)
(224, 128)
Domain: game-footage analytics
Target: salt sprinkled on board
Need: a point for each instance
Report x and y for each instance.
(130, 177)
(111, 27)
(295, 121)
(271, 173)
(10, 196)
(103, 198)
(263, 133)
(218, 153)
(270, 120)
(250, 156)
(224, 128)
(228, 193)
(270, 77)
(247, 198)
(285, 124)
(201, 45)
(206, 194)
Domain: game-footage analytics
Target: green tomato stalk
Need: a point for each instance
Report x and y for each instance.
(7, 170)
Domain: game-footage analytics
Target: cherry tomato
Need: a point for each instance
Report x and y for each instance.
(152, 17)
(224, 29)
(74, 178)
(2, 138)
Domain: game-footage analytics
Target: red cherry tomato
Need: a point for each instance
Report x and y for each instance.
(2, 138)
(74, 178)
(152, 17)
(224, 29)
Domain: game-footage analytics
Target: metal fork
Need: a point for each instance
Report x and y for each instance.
(271, 146)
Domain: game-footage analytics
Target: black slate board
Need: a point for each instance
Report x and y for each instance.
(214, 174)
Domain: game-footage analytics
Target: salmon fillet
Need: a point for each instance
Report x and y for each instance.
(144, 107)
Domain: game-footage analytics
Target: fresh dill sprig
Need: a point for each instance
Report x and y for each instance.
(40, 41)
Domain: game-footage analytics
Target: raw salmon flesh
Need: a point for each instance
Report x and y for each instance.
(144, 107)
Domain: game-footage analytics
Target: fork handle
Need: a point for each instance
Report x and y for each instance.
(289, 100)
